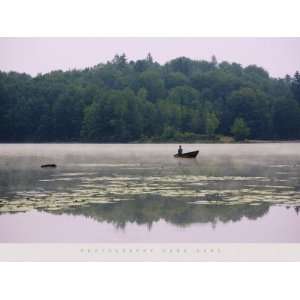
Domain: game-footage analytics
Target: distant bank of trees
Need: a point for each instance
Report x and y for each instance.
(124, 101)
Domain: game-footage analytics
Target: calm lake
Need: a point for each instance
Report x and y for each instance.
(141, 193)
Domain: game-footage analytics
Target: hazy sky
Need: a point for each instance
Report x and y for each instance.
(279, 56)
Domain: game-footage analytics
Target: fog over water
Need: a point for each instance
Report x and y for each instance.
(141, 193)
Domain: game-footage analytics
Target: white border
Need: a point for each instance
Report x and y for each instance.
(136, 281)
(156, 18)
(150, 252)
(271, 18)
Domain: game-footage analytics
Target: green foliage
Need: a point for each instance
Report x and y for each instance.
(168, 133)
(153, 83)
(174, 79)
(212, 123)
(124, 101)
(239, 129)
(286, 119)
(252, 106)
(296, 86)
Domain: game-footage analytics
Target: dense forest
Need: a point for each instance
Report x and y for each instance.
(129, 101)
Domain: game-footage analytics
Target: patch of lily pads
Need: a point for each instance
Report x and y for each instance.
(190, 188)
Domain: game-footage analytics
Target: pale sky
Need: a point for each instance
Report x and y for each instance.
(279, 56)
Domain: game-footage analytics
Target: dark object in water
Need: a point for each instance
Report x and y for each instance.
(48, 166)
(192, 154)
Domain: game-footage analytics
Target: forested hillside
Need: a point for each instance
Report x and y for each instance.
(126, 101)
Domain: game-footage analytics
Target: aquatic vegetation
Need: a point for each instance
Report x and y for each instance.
(73, 174)
(57, 179)
(109, 165)
(222, 180)
(88, 188)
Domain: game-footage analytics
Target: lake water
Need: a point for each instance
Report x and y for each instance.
(141, 193)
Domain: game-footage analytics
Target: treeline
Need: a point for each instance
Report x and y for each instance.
(125, 101)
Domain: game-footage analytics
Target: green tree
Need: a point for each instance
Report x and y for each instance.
(253, 107)
(296, 86)
(239, 129)
(153, 83)
(212, 123)
(286, 119)
(174, 79)
(214, 61)
(168, 133)
(121, 101)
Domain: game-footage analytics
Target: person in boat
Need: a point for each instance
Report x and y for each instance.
(180, 150)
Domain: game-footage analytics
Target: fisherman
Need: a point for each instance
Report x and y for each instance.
(180, 150)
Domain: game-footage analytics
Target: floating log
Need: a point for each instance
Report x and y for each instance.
(48, 166)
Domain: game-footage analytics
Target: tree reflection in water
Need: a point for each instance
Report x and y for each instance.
(142, 184)
(177, 212)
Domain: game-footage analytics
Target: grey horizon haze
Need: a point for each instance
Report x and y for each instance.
(279, 56)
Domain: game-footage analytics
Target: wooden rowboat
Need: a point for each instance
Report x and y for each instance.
(192, 154)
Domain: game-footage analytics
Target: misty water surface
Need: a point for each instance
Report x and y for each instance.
(141, 193)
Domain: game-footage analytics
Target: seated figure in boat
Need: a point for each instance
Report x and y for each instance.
(180, 151)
